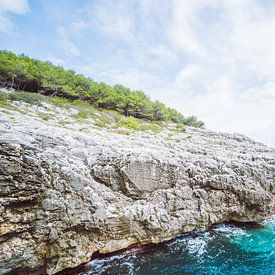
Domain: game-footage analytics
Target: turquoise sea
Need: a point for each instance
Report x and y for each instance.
(223, 249)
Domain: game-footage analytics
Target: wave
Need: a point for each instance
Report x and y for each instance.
(224, 249)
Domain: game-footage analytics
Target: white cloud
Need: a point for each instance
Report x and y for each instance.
(163, 55)
(65, 42)
(77, 27)
(227, 76)
(185, 28)
(11, 6)
(66, 36)
(5, 23)
(15, 6)
(233, 60)
(188, 73)
(130, 78)
(214, 59)
(251, 113)
(113, 18)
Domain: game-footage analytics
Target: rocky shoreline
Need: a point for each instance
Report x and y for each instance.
(149, 249)
(66, 193)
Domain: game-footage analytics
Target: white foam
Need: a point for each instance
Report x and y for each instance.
(197, 245)
(98, 266)
(269, 221)
(230, 230)
(130, 267)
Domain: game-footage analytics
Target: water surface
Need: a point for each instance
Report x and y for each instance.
(224, 249)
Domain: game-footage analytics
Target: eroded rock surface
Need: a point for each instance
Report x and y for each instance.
(65, 193)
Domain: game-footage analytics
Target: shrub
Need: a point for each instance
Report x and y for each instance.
(59, 101)
(104, 118)
(123, 132)
(151, 127)
(100, 125)
(82, 114)
(4, 103)
(131, 123)
(45, 116)
(193, 121)
(80, 103)
(179, 128)
(34, 75)
(3, 97)
(30, 98)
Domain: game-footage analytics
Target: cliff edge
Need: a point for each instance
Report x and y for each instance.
(69, 187)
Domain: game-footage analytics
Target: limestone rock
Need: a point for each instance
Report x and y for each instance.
(67, 193)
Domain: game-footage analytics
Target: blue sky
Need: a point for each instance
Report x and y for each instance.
(211, 58)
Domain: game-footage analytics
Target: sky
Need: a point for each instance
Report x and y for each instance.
(214, 59)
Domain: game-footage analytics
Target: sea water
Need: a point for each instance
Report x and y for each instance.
(223, 249)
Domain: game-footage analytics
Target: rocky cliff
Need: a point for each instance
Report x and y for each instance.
(70, 189)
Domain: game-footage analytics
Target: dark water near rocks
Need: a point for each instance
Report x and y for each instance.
(224, 249)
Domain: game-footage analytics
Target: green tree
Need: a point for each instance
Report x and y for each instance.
(159, 111)
(193, 121)
(56, 78)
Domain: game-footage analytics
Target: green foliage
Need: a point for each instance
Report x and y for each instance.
(60, 102)
(174, 116)
(64, 122)
(79, 103)
(88, 92)
(30, 98)
(4, 103)
(130, 123)
(151, 127)
(193, 121)
(3, 97)
(101, 124)
(179, 128)
(82, 114)
(123, 132)
(159, 111)
(102, 117)
(45, 116)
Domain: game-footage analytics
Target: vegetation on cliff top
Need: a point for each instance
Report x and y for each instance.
(66, 112)
(32, 75)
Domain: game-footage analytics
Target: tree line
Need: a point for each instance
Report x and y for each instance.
(35, 76)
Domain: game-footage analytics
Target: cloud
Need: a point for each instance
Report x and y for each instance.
(66, 44)
(214, 59)
(250, 113)
(11, 6)
(66, 36)
(184, 25)
(161, 54)
(231, 69)
(15, 6)
(188, 73)
(131, 78)
(112, 18)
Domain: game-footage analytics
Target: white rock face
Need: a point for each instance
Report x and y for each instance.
(66, 193)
